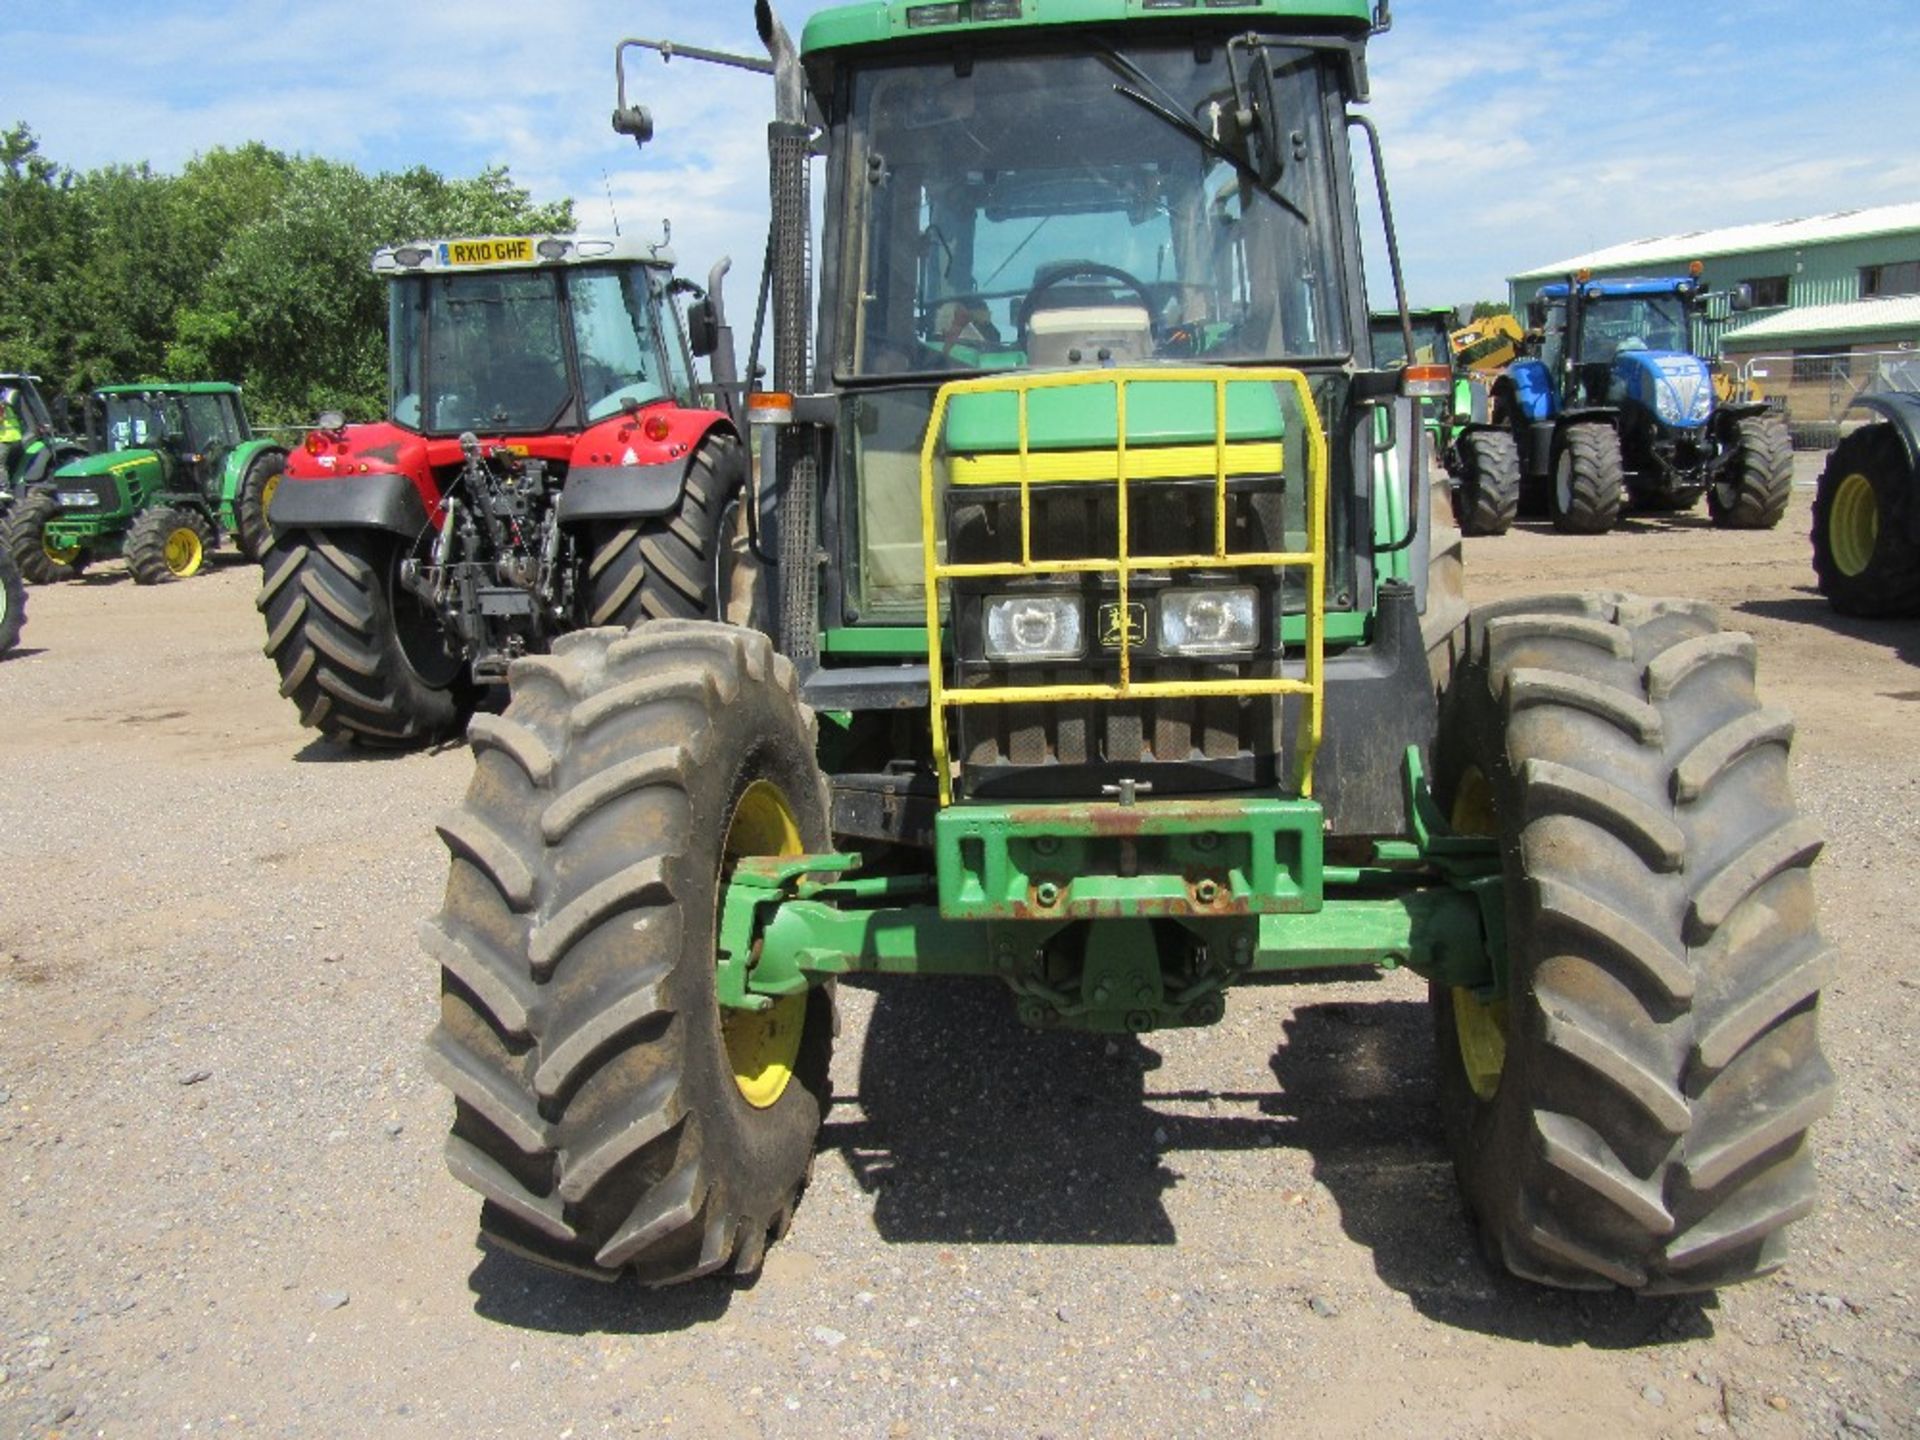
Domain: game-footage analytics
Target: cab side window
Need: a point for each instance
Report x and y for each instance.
(673, 336)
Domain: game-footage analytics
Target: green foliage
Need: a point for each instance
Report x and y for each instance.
(249, 265)
(1486, 309)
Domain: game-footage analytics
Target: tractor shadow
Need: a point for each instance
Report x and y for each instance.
(971, 1128)
(1810, 609)
(508, 1290)
(1355, 1082)
(321, 751)
(22, 652)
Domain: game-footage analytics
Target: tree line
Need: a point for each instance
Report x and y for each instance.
(249, 265)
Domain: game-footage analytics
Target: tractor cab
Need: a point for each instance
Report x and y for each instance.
(41, 446)
(529, 335)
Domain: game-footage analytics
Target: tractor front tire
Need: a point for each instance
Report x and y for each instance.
(1863, 557)
(1489, 494)
(26, 542)
(1588, 485)
(1759, 479)
(167, 543)
(1634, 1112)
(251, 504)
(612, 1117)
(363, 661)
(661, 567)
(13, 602)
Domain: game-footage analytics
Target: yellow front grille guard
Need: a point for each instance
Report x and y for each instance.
(1313, 559)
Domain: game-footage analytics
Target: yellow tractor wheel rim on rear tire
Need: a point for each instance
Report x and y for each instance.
(762, 1045)
(1853, 529)
(1480, 1028)
(56, 552)
(184, 553)
(266, 495)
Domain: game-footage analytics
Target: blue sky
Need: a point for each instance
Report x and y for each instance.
(1516, 133)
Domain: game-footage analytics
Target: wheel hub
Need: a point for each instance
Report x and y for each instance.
(763, 1045)
(184, 552)
(1480, 1028)
(1853, 529)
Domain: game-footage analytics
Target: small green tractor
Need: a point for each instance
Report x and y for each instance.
(33, 435)
(1115, 657)
(179, 468)
(1481, 459)
(1866, 513)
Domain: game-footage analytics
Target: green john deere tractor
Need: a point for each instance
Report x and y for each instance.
(180, 467)
(1116, 658)
(1481, 460)
(33, 435)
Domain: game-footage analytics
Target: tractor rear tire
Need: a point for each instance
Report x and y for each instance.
(167, 543)
(661, 567)
(1755, 495)
(13, 602)
(364, 662)
(1863, 557)
(250, 505)
(1634, 1113)
(26, 529)
(609, 1115)
(1588, 484)
(1489, 494)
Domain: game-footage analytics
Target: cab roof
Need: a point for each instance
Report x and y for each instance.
(874, 21)
(170, 387)
(1622, 289)
(515, 252)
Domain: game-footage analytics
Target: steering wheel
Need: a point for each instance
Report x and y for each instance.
(1062, 272)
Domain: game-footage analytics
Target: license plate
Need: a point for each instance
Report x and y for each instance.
(76, 499)
(1113, 624)
(487, 252)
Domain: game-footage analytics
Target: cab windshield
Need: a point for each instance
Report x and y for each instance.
(522, 351)
(1431, 345)
(1082, 208)
(1633, 322)
(139, 422)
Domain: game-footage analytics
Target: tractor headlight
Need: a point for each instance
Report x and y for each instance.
(1034, 627)
(1209, 622)
(76, 499)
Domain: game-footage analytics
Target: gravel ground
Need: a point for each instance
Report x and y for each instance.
(225, 1210)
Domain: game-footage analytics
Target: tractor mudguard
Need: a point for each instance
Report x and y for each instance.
(364, 502)
(1901, 409)
(234, 473)
(614, 492)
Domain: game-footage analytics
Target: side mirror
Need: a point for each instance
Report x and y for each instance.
(62, 409)
(1742, 298)
(1463, 315)
(634, 120)
(1536, 314)
(703, 332)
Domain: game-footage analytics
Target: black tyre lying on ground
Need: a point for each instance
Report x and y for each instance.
(13, 602)
(611, 1117)
(166, 543)
(359, 655)
(1488, 498)
(26, 530)
(1588, 485)
(1862, 555)
(1753, 491)
(1635, 1112)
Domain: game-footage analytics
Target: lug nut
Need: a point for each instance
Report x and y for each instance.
(1205, 892)
(1048, 894)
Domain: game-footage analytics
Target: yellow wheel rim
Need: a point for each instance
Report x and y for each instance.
(1481, 1028)
(184, 552)
(762, 1045)
(266, 495)
(58, 553)
(1853, 526)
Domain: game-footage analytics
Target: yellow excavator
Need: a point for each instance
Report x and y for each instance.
(1487, 344)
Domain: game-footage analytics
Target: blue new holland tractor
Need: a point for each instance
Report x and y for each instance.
(1615, 408)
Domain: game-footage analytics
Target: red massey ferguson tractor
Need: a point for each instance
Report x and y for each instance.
(548, 461)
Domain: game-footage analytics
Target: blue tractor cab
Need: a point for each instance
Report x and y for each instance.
(1621, 354)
